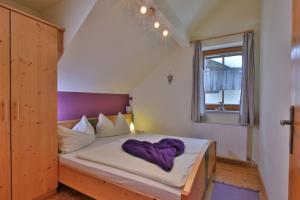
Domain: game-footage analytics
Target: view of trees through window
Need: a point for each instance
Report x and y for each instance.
(223, 78)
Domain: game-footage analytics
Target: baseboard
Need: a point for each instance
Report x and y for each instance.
(236, 162)
(262, 183)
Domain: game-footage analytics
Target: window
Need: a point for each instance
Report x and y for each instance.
(223, 78)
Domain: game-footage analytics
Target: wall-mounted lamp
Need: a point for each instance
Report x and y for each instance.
(132, 128)
(128, 109)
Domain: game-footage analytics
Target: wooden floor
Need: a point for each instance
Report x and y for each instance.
(242, 176)
(237, 175)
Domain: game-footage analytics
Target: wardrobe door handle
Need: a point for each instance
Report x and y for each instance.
(4, 111)
(17, 111)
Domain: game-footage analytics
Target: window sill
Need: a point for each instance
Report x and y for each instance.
(223, 111)
(228, 107)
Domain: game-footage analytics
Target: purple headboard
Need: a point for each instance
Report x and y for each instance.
(72, 105)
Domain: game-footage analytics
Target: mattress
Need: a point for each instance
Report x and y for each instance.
(123, 178)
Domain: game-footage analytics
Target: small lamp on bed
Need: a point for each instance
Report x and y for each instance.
(132, 128)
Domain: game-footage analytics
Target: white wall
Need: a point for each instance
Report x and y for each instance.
(230, 16)
(271, 141)
(112, 51)
(69, 14)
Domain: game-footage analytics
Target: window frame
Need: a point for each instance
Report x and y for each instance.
(215, 53)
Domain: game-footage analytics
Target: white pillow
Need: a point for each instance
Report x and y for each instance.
(122, 124)
(106, 128)
(71, 140)
(84, 126)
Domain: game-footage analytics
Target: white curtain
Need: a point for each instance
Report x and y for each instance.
(198, 98)
(216, 80)
(248, 82)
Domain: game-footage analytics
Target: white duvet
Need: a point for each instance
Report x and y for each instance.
(112, 155)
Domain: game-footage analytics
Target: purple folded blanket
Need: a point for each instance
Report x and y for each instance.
(162, 153)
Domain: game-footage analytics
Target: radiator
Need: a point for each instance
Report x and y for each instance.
(231, 140)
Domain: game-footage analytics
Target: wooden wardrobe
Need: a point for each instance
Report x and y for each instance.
(29, 51)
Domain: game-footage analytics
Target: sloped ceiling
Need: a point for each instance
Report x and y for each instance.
(112, 52)
(182, 17)
(188, 13)
(113, 48)
(231, 16)
(70, 14)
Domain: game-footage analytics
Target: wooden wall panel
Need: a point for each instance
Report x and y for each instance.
(34, 107)
(5, 189)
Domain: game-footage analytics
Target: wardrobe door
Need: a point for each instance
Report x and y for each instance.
(5, 176)
(34, 108)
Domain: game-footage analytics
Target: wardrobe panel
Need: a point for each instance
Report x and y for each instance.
(5, 176)
(34, 107)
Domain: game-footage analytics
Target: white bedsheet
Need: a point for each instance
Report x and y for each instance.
(121, 177)
(120, 159)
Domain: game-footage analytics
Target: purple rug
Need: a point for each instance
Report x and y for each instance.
(222, 191)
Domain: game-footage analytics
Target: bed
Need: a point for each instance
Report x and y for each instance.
(108, 183)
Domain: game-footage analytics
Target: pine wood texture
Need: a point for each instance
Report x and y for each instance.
(229, 173)
(241, 176)
(97, 188)
(5, 189)
(294, 173)
(223, 51)
(212, 161)
(34, 107)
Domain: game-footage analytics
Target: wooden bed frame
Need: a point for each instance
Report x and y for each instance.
(194, 189)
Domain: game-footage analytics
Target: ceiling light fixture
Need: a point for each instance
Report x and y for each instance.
(151, 11)
(143, 10)
(156, 25)
(165, 33)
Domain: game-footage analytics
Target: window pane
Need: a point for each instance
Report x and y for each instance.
(234, 61)
(218, 77)
(232, 97)
(213, 98)
(232, 92)
(227, 77)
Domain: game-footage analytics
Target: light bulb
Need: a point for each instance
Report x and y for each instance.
(165, 33)
(143, 10)
(156, 25)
